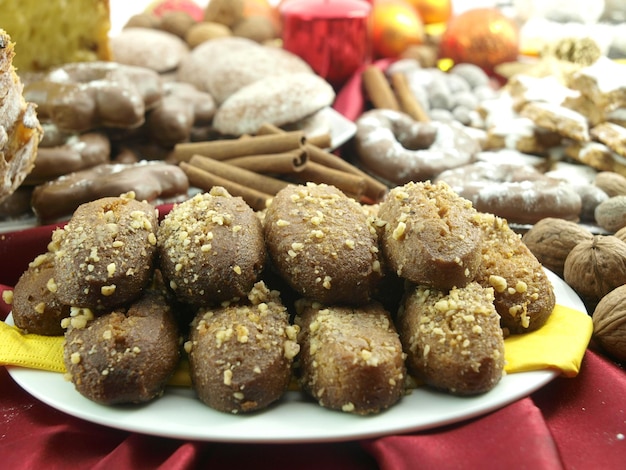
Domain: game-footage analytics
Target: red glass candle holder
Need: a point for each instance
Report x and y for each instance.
(332, 36)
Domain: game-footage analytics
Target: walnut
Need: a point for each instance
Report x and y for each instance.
(595, 267)
(551, 240)
(611, 214)
(609, 323)
(611, 183)
(621, 234)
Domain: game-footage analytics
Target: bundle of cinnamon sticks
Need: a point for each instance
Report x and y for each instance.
(257, 167)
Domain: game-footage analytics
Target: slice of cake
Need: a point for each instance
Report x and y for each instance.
(20, 131)
(53, 33)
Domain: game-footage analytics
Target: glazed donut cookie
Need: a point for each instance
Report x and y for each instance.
(182, 107)
(518, 193)
(398, 149)
(86, 95)
(78, 152)
(150, 181)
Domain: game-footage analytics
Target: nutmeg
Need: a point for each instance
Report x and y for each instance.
(595, 267)
(551, 240)
(609, 323)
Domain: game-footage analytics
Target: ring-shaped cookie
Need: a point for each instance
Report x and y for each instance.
(398, 149)
(516, 192)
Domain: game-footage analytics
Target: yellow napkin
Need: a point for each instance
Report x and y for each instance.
(560, 344)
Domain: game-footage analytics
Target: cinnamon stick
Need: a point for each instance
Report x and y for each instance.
(408, 102)
(275, 163)
(378, 89)
(374, 189)
(321, 140)
(205, 180)
(263, 183)
(346, 182)
(225, 149)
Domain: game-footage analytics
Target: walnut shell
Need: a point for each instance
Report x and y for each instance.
(611, 214)
(551, 239)
(595, 267)
(609, 323)
(621, 234)
(611, 183)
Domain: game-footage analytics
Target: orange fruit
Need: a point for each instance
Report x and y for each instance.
(433, 11)
(395, 26)
(481, 36)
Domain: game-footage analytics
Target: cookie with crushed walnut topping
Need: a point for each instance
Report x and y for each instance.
(35, 306)
(126, 355)
(104, 256)
(351, 358)
(429, 235)
(211, 248)
(453, 339)
(322, 244)
(524, 296)
(240, 354)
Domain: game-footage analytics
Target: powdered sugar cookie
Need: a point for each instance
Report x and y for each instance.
(277, 100)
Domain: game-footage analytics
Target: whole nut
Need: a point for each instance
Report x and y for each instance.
(177, 22)
(205, 31)
(609, 323)
(551, 240)
(143, 20)
(595, 267)
(621, 234)
(226, 12)
(255, 28)
(611, 214)
(611, 183)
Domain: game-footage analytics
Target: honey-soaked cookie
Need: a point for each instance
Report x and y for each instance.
(126, 355)
(240, 354)
(524, 296)
(429, 235)
(322, 244)
(351, 358)
(105, 254)
(35, 306)
(453, 339)
(211, 248)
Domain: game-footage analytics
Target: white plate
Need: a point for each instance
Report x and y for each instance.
(341, 129)
(179, 414)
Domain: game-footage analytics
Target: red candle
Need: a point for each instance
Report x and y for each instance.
(332, 36)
